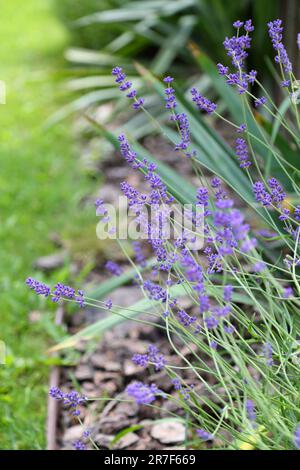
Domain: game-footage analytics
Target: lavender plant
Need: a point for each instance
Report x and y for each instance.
(241, 326)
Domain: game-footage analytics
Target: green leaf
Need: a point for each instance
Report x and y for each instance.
(123, 315)
(181, 189)
(111, 284)
(123, 433)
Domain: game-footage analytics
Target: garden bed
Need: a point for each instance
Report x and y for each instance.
(105, 368)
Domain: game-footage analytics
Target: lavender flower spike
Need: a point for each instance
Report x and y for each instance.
(79, 445)
(153, 356)
(126, 86)
(275, 33)
(251, 412)
(241, 151)
(39, 287)
(203, 103)
(142, 393)
(204, 435)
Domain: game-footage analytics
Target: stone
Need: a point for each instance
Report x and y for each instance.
(168, 432)
(50, 262)
(130, 368)
(83, 372)
(103, 440)
(73, 433)
(127, 440)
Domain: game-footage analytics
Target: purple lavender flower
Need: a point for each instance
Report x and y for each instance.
(71, 399)
(204, 435)
(227, 293)
(39, 287)
(60, 291)
(297, 213)
(184, 130)
(219, 312)
(56, 393)
(170, 94)
(288, 292)
(267, 352)
(184, 391)
(154, 291)
(249, 26)
(241, 151)
(211, 322)
(126, 151)
(156, 358)
(236, 48)
(125, 86)
(153, 356)
(229, 329)
(285, 213)
(215, 182)
(79, 298)
(252, 76)
(285, 83)
(168, 80)
(248, 245)
(275, 33)
(266, 233)
(238, 24)
(203, 199)
(203, 103)
(259, 267)
(251, 411)
(79, 445)
(185, 319)
(108, 304)
(260, 101)
(138, 103)
(277, 193)
(100, 209)
(261, 194)
(142, 393)
(140, 359)
(204, 303)
(222, 69)
(139, 255)
(241, 128)
(113, 268)
(63, 291)
(177, 384)
(297, 437)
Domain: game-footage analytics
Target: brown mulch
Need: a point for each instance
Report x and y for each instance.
(104, 373)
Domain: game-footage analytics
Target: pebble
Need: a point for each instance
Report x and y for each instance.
(168, 432)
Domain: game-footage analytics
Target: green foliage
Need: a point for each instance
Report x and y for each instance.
(90, 36)
(160, 30)
(38, 177)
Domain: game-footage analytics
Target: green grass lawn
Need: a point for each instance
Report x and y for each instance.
(40, 185)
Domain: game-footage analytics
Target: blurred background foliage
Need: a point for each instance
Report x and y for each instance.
(158, 31)
(42, 182)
